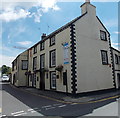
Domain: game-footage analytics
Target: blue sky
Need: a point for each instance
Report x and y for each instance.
(24, 23)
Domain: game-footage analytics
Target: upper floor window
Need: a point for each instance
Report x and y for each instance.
(42, 46)
(34, 63)
(116, 59)
(52, 41)
(42, 61)
(35, 49)
(104, 57)
(24, 64)
(103, 35)
(52, 58)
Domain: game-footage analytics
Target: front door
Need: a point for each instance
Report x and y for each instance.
(53, 80)
(42, 80)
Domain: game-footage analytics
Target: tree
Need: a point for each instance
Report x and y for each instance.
(5, 69)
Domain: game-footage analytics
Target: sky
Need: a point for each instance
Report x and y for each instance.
(22, 22)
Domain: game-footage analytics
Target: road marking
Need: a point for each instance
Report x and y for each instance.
(17, 112)
(57, 100)
(56, 104)
(62, 106)
(46, 106)
(20, 114)
(49, 108)
(33, 109)
(2, 115)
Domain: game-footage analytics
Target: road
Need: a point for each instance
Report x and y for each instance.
(16, 102)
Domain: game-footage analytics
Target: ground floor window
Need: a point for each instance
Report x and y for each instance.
(53, 79)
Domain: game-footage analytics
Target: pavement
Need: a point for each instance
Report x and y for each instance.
(86, 98)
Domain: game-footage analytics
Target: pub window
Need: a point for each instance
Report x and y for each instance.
(34, 63)
(103, 35)
(35, 49)
(52, 58)
(104, 57)
(116, 59)
(42, 61)
(52, 41)
(24, 64)
(42, 46)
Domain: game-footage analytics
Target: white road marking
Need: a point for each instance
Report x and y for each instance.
(17, 112)
(33, 109)
(46, 106)
(3, 116)
(20, 114)
(56, 104)
(62, 106)
(49, 108)
(74, 104)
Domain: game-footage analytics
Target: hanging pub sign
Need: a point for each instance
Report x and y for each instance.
(66, 52)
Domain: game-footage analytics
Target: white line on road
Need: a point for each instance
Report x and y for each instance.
(33, 109)
(46, 106)
(49, 108)
(56, 104)
(20, 114)
(62, 106)
(17, 112)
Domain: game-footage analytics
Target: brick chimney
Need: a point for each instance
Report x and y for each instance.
(43, 36)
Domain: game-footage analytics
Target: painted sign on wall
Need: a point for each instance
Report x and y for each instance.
(66, 52)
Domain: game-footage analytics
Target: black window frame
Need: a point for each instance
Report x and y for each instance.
(116, 59)
(42, 55)
(22, 64)
(105, 39)
(51, 38)
(106, 53)
(34, 63)
(42, 46)
(35, 49)
(50, 54)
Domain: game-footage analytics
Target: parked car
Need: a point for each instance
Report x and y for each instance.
(5, 78)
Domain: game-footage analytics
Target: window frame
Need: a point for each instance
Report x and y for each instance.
(51, 80)
(50, 58)
(42, 46)
(34, 67)
(35, 49)
(116, 59)
(103, 39)
(43, 55)
(106, 53)
(51, 41)
(22, 64)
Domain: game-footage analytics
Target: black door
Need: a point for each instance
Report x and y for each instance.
(42, 80)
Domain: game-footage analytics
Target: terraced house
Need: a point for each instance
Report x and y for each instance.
(76, 58)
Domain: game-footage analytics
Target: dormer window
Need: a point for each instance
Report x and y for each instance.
(103, 35)
(52, 41)
(35, 49)
(42, 46)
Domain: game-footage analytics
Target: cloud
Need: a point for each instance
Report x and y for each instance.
(24, 43)
(116, 32)
(6, 60)
(14, 10)
(11, 15)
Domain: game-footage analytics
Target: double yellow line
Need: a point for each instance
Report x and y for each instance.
(57, 100)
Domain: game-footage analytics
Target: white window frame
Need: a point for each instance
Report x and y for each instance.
(42, 46)
(52, 58)
(52, 41)
(53, 79)
(104, 57)
(24, 64)
(103, 35)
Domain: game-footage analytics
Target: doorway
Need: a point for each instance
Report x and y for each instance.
(42, 80)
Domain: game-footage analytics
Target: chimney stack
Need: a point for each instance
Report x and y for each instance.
(87, 1)
(43, 36)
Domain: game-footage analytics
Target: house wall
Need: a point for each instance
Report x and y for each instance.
(60, 38)
(116, 67)
(91, 74)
